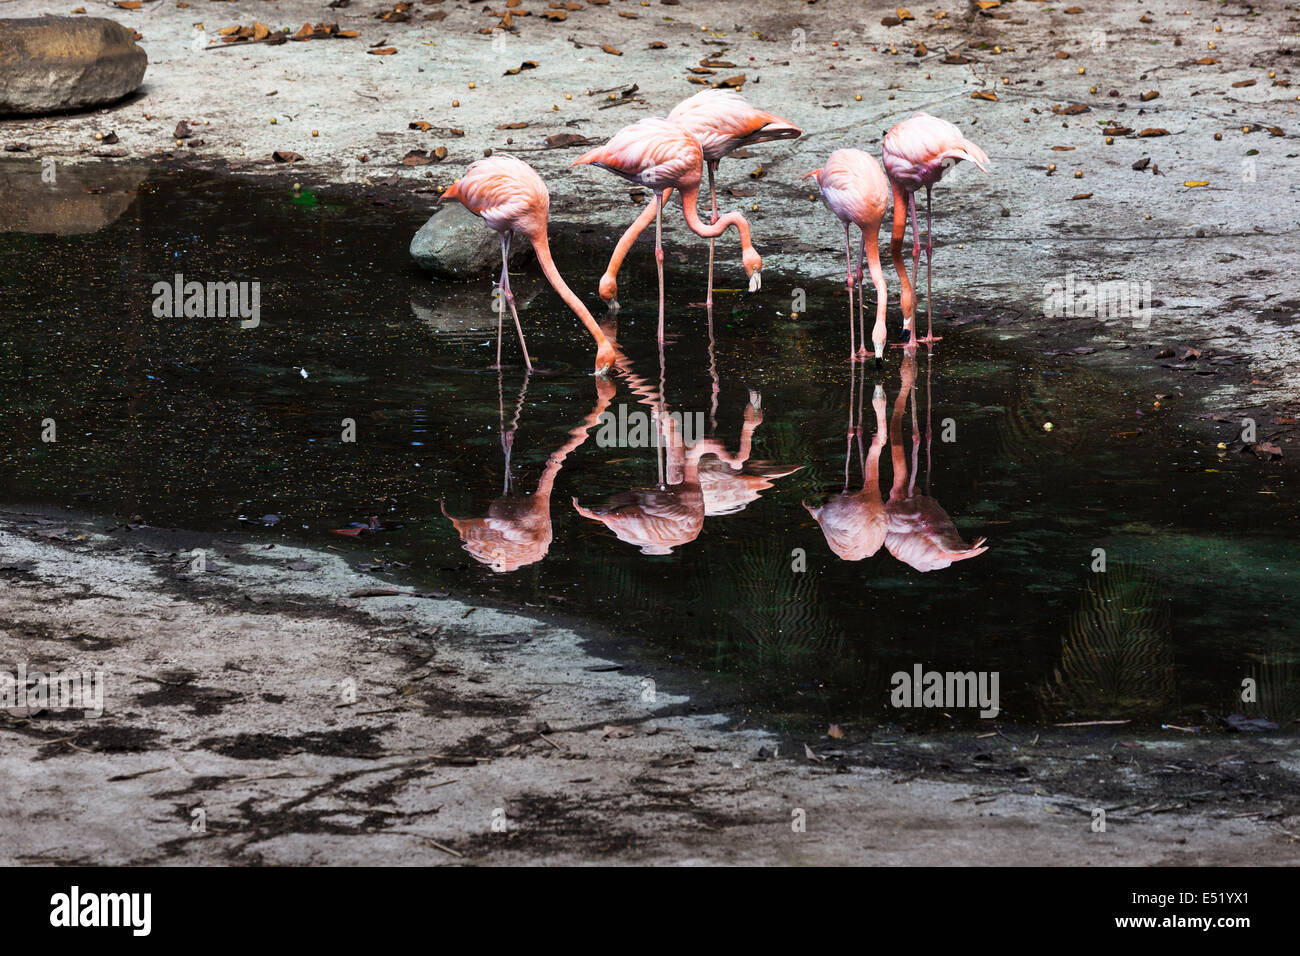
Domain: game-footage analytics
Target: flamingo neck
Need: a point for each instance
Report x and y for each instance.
(542, 247)
(690, 203)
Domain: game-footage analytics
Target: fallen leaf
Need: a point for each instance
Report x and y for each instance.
(984, 95)
(1154, 131)
(416, 157)
(1117, 130)
(1241, 83)
(1193, 183)
(612, 51)
(284, 156)
(1082, 196)
(384, 51)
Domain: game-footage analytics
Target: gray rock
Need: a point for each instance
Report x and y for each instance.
(48, 64)
(456, 244)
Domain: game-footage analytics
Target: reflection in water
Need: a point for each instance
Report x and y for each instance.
(855, 522)
(1117, 659)
(913, 527)
(516, 531)
(697, 478)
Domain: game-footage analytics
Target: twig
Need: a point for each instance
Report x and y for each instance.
(444, 849)
(1091, 723)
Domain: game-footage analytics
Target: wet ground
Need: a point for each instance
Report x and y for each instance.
(201, 424)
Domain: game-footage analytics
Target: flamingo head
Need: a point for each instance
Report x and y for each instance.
(753, 268)
(609, 289)
(451, 192)
(606, 356)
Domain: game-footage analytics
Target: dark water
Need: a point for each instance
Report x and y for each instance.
(195, 422)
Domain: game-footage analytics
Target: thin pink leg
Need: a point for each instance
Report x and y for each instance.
(510, 301)
(713, 196)
(848, 282)
(929, 256)
(659, 258)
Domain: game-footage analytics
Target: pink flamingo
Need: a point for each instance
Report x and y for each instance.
(917, 152)
(511, 198)
(723, 122)
(663, 156)
(855, 189)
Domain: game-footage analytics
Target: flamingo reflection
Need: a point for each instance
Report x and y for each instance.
(516, 531)
(913, 527)
(854, 522)
(697, 478)
(920, 533)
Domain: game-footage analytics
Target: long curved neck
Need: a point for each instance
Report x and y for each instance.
(577, 436)
(690, 201)
(543, 249)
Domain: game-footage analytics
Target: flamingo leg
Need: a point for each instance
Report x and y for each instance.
(713, 196)
(510, 301)
(659, 258)
(501, 296)
(862, 322)
(916, 239)
(906, 298)
(848, 268)
(929, 255)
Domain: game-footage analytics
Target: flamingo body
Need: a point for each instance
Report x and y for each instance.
(721, 121)
(664, 157)
(857, 192)
(511, 198)
(917, 152)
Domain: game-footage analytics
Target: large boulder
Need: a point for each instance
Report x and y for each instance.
(456, 244)
(48, 64)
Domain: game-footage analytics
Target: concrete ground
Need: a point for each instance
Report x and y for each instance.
(225, 693)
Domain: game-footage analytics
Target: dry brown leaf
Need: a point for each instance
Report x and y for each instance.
(984, 95)
(384, 51)
(1154, 131)
(611, 50)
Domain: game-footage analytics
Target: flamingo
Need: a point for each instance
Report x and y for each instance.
(917, 152)
(920, 533)
(663, 156)
(511, 198)
(723, 121)
(856, 190)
